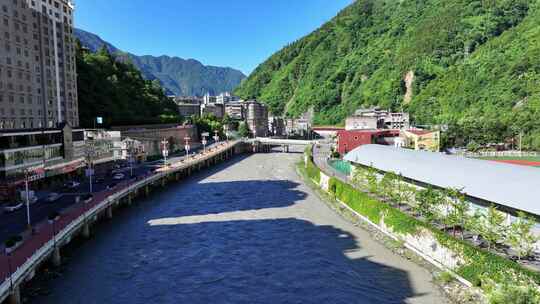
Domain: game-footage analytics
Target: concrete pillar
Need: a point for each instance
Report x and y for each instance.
(15, 296)
(109, 212)
(188, 171)
(146, 190)
(86, 230)
(56, 257)
(177, 177)
(129, 199)
(287, 148)
(163, 181)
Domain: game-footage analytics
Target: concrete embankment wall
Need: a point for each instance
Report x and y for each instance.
(423, 243)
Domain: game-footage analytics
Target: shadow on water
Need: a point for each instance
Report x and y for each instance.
(250, 260)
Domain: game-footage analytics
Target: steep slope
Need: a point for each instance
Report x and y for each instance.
(178, 76)
(469, 64)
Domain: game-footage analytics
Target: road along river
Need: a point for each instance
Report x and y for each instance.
(247, 231)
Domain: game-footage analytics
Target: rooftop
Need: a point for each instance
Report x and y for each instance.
(512, 186)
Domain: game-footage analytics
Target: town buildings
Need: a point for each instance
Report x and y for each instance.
(257, 118)
(188, 106)
(215, 109)
(420, 140)
(375, 118)
(151, 136)
(235, 110)
(225, 98)
(38, 79)
(349, 140)
(40, 153)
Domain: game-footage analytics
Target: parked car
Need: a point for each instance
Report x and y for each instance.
(12, 207)
(87, 198)
(53, 197)
(99, 180)
(72, 185)
(111, 186)
(119, 176)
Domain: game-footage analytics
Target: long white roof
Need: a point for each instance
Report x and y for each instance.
(517, 187)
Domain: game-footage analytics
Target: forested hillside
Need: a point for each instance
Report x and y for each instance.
(117, 92)
(473, 65)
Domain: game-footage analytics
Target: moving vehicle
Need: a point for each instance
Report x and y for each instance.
(119, 176)
(53, 197)
(12, 207)
(72, 185)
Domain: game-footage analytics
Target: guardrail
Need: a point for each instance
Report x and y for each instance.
(39, 246)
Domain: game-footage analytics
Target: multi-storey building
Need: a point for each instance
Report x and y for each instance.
(38, 86)
(375, 118)
(235, 110)
(257, 118)
(225, 98)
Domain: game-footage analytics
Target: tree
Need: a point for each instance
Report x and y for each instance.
(372, 180)
(521, 237)
(459, 209)
(493, 226)
(243, 130)
(428, 201)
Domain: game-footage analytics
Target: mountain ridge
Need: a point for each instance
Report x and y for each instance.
(178, 76)
(470, 65)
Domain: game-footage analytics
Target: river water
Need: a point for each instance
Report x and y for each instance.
(245, 232)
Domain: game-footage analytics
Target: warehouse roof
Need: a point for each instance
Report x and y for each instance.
(516, 187)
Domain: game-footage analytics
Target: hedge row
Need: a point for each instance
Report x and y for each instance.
(312, 170)
(479, 264)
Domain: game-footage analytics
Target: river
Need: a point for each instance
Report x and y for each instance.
(247, 231)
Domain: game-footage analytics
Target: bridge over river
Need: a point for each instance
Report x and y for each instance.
(246, 231)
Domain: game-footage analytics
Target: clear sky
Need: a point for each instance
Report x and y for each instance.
(236, 33)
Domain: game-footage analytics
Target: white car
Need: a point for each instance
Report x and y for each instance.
(12, 207)
(53, 197)
(118, 176)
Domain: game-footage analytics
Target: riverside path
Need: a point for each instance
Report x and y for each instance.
(246, 231)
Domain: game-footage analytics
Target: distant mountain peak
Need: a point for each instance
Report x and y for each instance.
(186, 77)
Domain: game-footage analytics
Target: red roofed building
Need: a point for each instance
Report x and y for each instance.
(349, 140)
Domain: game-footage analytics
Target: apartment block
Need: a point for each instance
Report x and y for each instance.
(38, 79)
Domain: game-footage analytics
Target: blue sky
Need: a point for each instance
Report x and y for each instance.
(236, 33)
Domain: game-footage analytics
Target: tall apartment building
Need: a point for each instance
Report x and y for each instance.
(257, 118)
(38, 80)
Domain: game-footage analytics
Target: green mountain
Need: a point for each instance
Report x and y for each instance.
(178, 76)
(473, 65)
(117, 91)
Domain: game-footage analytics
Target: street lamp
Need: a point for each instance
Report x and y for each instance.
(226, 129)
(130, 147)
(26, 186)
(187, 147)
(204, 141)
(165, 151)
(90, 153)
(216, 136)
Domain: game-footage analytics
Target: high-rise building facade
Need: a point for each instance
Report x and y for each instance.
(38, 79)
